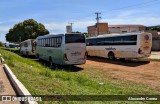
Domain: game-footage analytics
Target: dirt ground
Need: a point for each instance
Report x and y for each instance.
(144, 72)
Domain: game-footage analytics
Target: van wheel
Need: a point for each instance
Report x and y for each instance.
(111, 56)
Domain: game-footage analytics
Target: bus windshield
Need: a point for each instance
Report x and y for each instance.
(75, 38)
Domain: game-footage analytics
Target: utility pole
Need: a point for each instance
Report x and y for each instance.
(97, 18)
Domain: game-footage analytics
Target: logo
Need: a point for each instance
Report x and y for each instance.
(146, 37)
(110, 48)
(76, 54)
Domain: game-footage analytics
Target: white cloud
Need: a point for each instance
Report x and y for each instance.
(82, 25)
(4, 28)
(133, 17)
(139, 20)
(127, 13)
(54, 26)
(10, 21)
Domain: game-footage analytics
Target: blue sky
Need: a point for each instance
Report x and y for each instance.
(56, 14)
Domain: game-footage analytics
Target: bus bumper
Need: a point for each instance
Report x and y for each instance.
(79, 62)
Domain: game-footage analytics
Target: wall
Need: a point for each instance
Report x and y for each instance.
(102, 29)
(156, 44)
(123, 29)
(114, 30)
(155, 40)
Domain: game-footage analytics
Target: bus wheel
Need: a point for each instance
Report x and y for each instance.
(21, 52)
(111, 56)
(27, 53)
(37, 55)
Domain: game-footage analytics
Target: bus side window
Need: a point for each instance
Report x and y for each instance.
(118, 40)
(100, 41)
(130, 40)
(92, 42)
(108, 41)
(59, 42)
(87, 43)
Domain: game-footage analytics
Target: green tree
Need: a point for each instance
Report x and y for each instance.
(87, 35)
(157, 28)
(1, 44)
(28, 29)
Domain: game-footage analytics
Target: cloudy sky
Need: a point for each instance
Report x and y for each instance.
(56, 14)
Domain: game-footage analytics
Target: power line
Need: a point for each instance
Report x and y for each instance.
(137, 5)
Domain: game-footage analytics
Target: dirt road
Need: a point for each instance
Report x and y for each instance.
(5, 87)
(144, 72)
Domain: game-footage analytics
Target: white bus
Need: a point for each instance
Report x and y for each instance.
(125, 46)
(62, 49)
(27, 47)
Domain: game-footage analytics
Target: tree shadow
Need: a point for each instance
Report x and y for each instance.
(29, 56)
(68, 68)
(130, 63)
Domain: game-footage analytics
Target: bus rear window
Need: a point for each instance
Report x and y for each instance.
(75, 38)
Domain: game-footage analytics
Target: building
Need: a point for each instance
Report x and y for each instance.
(104, 28)
(125, 28)
(156, 43)
(155, 40)
(68, 29)
(98, 29)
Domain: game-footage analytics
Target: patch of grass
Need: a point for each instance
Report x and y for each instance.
(15, 50)
(47, 73)
(41, 80)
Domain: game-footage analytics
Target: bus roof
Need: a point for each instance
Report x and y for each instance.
(49, 35)
(54, 35)
(27, 40)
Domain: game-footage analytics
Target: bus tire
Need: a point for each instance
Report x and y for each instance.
(27, 53)
(20, 52)
(111, 56)
(50, 62)
(37, 56)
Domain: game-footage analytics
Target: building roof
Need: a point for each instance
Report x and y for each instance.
(126, 26)
(100, 23)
